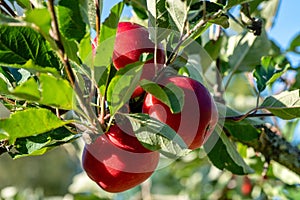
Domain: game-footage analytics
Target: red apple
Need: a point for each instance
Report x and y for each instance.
(117, 161)
(198, 117)
(246, 186)
(132, 40)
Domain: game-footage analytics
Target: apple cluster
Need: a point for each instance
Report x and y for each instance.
(116, 160)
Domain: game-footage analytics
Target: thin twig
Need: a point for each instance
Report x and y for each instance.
(83, 104)
(189, 33)
(98, 19)
(7, 8)
(241, 117)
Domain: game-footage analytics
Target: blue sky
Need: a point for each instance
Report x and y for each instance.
(286, 27)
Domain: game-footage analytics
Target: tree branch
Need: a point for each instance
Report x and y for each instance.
(184, 37)
(276, 148)
(69, 71)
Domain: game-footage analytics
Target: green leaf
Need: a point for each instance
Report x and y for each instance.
(285, 105)
(231, 3)
(246, 51)
(29, 122)
(158, 20)
(122, 86)
(24, 4)
(104, 51)
(49, 90)
(110, 25)
(42, 143)
(6, 20)
(295, 44)
(3, 86)
(56, 92)
(70, 21)
(40, 17)
(171, 95)
(213, 47)
(155, 135)
(140, 8)
(242, 130)
(85, 47)
(178, 12)
(268, 72)
(28, 90)
(18, 45)
(221, 20)
(197, 9)
(224, 155)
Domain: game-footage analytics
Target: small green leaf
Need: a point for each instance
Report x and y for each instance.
(56, 92)
(295, 44)
(158, 20)
(24, 4)
(6, 20)
(213, 48)
(231, 3)
(28, 90)
(42, 143)
(178, 12)
(285, 105)
(3, 86)
(122, 86)
(110, 25)
(85, 47)
(40, 17)
(171, 95)
(104, 51)
(223, 154)
(156, 135)
(70, 21)
(29, 122)
(140, 8)
(222, 20)
(268, 72)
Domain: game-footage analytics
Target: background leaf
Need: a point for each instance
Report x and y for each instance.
(247, 51)
(223, 154)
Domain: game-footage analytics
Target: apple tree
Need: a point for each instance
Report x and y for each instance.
(191, 96)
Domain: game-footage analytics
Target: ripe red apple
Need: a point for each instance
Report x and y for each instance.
(198, 117)
(132, 40)
(117, 161)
